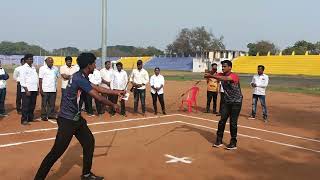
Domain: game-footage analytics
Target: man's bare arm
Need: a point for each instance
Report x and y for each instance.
(106, 91)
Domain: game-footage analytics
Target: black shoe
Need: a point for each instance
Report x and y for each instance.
(219, 114)
(217, 144)
(25, 123)
(44, 119)
(124, 115)
(164, 113)
(52, 117)
(265, 118)
(3, 115)
(91, 176)
(214, 112)
(232, 146)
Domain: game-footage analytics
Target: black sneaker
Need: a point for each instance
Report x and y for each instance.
(232, 146)
(265, 118)
(217, 144)
(124, 114)
(44, 119)
(25, 123)
(91, 176)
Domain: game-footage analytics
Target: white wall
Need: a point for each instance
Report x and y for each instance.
(200, 66)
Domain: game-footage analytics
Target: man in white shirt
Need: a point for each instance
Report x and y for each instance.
(157, 84)
(48, 76)
(66, 72)
(16, 77)
(139, 79)
(259, 84)
(94, 78)
(3, 91)
(29, 87)
(106, 77)
(119, 82)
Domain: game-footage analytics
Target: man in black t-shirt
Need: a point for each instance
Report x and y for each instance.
(70, 122)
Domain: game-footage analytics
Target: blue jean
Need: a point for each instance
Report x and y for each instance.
(262, 99)
(139, 94)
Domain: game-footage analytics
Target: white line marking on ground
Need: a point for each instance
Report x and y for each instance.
(174, 159)
(258, 138)
(90, 124)
(53, 122)
(98, 132)
(257, 129)
(150, 125)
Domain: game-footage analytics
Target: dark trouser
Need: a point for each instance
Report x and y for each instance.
(89, 104)
(139, 93)
(48, 104)
(3, 93)
(83, 99)
(231, 111)
(18, 97)
(110, 110)
(28, 106)
(221, 102)
(115, 99)
(212, 96)
(262, 99)
(66, 129)
(161, 100)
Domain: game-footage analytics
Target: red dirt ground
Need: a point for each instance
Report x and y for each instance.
(138, 152)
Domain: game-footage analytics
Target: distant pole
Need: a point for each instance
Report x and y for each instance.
(104, 32)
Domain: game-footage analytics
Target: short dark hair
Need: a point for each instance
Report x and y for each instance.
(119, 64)
(157, 68)
(27, 56)
(139, 62)
(229, 63)
(68, 58)
(84, 59)
(107, 62)
(214, 64)
(261, 66)
(22, 60)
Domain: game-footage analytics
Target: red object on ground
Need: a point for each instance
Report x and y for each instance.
(191, 99)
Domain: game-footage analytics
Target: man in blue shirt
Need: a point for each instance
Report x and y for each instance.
(71, 122)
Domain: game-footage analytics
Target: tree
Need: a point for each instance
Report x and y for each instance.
(300, 48)
(194, 41)
(262, 47)
(66, 51)
(20, 48)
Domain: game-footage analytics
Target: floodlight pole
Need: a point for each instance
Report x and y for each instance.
(104, 32)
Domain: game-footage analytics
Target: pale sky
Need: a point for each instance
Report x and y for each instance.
(61, 23)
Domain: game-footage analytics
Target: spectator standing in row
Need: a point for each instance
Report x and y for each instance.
(48, 76)
(3, 90)
(16, 77)
(29, 81)
(139, 79)
(157, 85)
(119, 82)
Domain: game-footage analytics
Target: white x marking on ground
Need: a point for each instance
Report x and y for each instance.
(174, 159)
